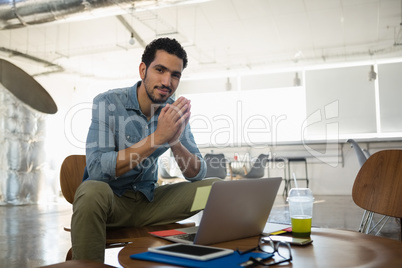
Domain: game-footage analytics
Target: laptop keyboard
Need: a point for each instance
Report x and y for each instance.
(188, 237)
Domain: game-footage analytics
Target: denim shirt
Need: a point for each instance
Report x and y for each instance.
(118, 123)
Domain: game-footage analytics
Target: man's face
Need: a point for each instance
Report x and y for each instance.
(162, 76)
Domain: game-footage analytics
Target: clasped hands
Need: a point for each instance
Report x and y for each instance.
(173, 120)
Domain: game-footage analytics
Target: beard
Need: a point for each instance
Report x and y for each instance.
(151, 94)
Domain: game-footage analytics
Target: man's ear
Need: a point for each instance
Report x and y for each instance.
(142, 70)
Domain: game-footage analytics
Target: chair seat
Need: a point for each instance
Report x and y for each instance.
(296, 159)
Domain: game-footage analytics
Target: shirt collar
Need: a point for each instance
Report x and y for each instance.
(132, 101)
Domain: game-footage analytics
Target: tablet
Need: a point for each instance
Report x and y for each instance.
(195, 252)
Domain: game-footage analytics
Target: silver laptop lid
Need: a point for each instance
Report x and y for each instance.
(237, 209)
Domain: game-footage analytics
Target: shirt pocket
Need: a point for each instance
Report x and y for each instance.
(126, 139)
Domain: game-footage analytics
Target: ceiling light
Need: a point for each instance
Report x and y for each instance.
(372, 74)
(131, 41)
(296, 80)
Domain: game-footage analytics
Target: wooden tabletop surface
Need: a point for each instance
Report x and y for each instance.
(330, 248)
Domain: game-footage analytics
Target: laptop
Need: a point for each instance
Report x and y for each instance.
(234, 210)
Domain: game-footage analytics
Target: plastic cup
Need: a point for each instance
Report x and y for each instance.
(301, 211)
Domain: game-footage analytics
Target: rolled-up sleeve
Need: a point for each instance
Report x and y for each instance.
(203, 171)
(100, 151)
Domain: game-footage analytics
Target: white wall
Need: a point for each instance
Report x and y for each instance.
(336, 103)
(340, 97)
(349, 106)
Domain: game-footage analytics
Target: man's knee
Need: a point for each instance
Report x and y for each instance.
(92, 192)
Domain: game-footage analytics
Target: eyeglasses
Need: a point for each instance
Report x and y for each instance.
(267, 245)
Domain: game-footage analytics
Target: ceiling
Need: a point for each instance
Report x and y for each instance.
(218, 35)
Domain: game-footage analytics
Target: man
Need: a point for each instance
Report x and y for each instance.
(130, 129)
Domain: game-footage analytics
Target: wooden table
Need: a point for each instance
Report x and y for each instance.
(331, 248)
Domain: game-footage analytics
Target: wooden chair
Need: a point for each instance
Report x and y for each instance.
(71, 174)
(362, 156)
(378, 186)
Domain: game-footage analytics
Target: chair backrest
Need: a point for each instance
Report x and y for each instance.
(258, 168)
(71, 174)
(216, 165)
(361, 157)
(378, 184)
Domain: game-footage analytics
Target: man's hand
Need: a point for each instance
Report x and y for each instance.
(184, 103)
(171, 124)
(175, 117)
(173, 120)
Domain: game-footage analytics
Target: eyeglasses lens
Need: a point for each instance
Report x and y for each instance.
(281, 248)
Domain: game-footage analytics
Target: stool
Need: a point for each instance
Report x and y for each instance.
(294, 161)
(279, 163)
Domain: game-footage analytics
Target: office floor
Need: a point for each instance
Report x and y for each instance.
(33, 235)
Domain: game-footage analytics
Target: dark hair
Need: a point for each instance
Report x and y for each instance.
(171, 46)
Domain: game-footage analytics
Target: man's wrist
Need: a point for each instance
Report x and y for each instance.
(175, 145)
(155, 140)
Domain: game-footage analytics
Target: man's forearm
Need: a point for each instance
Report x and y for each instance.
(132, 156)
(188, 162)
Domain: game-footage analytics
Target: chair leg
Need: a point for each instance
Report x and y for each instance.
(369, 222)
(290, 177)
(362, 221)
(400, 222)
(307, 180)
(69, 255)
(383, 219)
(286, 188)
(366, 222)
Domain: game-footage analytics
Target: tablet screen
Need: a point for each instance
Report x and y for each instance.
(191, 249)
(197, 252)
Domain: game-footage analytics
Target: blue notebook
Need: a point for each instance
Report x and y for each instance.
(232, 260)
